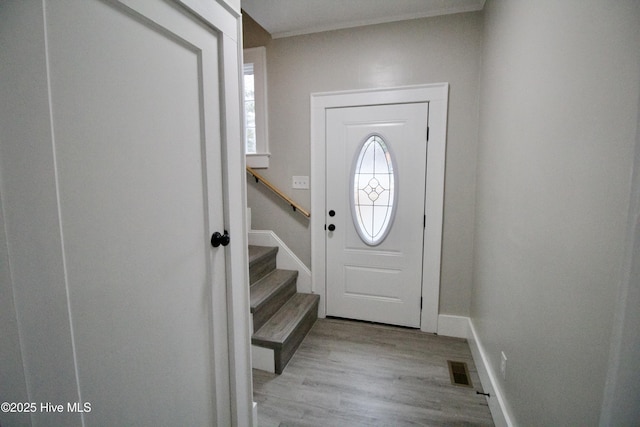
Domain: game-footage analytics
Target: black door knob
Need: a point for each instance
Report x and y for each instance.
(218, 239)
(332, 213)
(331, 227)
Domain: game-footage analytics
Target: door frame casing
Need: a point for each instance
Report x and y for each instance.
(228, 23)
(437, 96)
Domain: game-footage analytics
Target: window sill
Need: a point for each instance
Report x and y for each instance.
(258, 161)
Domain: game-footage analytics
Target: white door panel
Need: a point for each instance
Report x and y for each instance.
(136, 120)
(379, 282)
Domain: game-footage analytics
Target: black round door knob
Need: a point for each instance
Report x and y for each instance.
(332, 213)
(331, 227)
(218, 239)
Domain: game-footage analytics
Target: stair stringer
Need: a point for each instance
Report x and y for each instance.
(285, 258)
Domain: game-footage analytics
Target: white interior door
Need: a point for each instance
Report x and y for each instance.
(376, 160)
(136, 119)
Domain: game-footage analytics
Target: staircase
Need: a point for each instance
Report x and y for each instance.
(281, 316)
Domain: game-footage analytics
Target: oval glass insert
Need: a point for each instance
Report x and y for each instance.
(374, 190)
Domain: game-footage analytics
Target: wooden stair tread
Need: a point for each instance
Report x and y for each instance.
(281, 316)
(269, 285)
(275, 332)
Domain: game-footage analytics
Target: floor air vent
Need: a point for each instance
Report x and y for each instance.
(459, 373)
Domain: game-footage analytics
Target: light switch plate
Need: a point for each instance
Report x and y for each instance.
(300, 182)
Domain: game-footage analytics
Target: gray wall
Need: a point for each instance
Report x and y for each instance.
(12, 380)
(16, 21)
(442, 49)
(560, 84)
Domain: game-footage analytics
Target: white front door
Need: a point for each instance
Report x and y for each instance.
(136, 116)
(376, 159)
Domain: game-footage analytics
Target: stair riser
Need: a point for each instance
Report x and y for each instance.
(265, 311)
(290, 346)
(282, 317)
(261, 268)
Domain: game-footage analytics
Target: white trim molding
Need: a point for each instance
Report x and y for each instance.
(348, 16)
(257, 57)
(255, 414)
(462, 327)
(285, 258)
(228, 22)
(263, 358)
(497, 401)
(437, 95)
(453, 326)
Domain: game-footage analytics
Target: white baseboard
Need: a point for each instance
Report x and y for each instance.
(285, 259)
(453, 326)
(462, 327)
(263, 359)
(497, 402)
(255, 414)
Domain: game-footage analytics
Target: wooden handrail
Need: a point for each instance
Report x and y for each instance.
(270, 186)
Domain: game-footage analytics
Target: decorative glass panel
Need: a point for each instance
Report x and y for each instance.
(374, 192)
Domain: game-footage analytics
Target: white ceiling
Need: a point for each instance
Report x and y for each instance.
(284, 18)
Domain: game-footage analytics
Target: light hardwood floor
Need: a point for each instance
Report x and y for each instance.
(349, 373)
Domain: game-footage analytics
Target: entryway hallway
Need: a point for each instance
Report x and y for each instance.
(350, 373)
